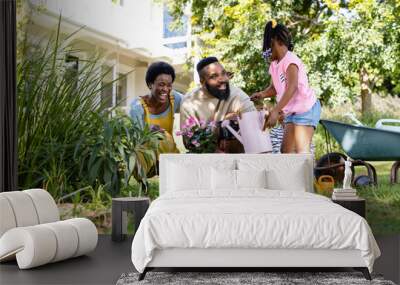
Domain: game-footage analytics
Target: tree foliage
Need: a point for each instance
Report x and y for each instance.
(349, 47)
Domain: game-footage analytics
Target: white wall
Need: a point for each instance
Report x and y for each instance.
(133, 29)
(140, 82)
(138, 23)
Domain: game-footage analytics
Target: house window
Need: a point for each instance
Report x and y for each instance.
(169, 33)
(118, 2)
(107, 88)
(176, 45)
(121, 90)
(72, 69)
(108, 98)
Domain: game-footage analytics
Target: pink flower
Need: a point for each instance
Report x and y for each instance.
(203, 124)
(189, 134)
(195, 143)
(178, 133)
(191, 122)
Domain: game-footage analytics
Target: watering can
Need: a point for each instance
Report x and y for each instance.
(325, 184)
(251, 134)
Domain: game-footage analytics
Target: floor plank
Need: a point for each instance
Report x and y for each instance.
(110, 260)
(103, 266)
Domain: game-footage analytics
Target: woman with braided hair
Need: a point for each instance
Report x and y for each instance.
(296, 101)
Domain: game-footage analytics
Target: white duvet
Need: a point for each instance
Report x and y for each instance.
(253, 218)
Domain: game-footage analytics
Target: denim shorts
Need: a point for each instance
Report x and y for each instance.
(309, 118)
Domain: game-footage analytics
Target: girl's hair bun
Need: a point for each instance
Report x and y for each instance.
(278, 31)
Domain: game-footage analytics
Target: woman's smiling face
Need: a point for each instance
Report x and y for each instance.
(162, 87)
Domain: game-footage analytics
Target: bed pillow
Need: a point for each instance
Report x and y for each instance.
(295, 182)
(285, 173)
(223, 179)
(251, 178)
(190, 176)
(182, 177)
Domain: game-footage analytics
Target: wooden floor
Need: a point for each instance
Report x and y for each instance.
(103, 266)
(110, 260)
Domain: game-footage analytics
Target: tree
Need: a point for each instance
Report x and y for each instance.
(233, 31)
(356, 49)
(349, 47)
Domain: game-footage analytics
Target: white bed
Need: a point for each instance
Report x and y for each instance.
(247, 211)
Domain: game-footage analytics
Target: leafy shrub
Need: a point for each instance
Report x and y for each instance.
(67, 140)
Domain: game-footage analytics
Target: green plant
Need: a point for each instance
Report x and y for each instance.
(133, 188)
(140, 152)
(121, 151)
(55, 109)
(96, 198)
(98, 155)
(350, 48)
(90, 202)
(67, 140)
(76, 202)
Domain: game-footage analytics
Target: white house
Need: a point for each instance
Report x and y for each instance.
(130, 34)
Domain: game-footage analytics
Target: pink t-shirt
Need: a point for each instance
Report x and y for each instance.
(304, 97)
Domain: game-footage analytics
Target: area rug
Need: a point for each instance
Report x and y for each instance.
(244, 278)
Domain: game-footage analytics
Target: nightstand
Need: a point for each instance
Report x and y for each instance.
(120, 206)
(357, 205)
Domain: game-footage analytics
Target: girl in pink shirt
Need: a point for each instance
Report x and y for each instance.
(296, 101)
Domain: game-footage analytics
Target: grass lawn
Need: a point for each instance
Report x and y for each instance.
(383, 201)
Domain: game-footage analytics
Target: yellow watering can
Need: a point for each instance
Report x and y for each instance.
(325, 185)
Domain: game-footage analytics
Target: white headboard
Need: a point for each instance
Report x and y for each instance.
(281, 161)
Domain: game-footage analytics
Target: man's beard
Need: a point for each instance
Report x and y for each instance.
(217, 93)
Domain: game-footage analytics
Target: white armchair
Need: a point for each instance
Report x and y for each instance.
(31, 230)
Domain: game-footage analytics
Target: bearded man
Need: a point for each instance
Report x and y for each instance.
(215, 99)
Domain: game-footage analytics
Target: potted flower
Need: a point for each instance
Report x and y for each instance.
(199, 135)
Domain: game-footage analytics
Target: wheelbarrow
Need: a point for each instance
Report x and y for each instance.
(363, 143)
